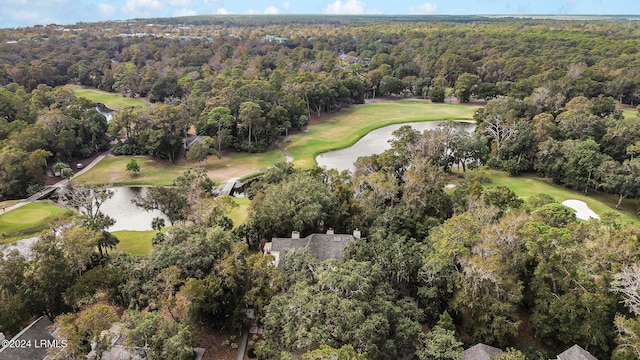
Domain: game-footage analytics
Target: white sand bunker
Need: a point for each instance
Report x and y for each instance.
(582, 210)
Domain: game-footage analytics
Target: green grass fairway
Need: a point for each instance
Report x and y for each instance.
(134, 242)
(111, 100)
(240, 214)
(528, 185)
(29, 220)
(351, 124)
(337, 132)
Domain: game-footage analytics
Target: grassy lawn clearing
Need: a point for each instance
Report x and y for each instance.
(29, 220)
(240, 214)
(241, 164)
(134, 242)
(351, 124)
(112, 170)
(112, 100)
(528, 185)
(629, 113)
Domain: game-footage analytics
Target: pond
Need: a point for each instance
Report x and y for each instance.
(105, 111)
(128, 215)
(375, 142)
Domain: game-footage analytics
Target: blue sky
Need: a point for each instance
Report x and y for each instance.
(17, 13)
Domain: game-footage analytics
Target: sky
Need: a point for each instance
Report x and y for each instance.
(22, 13)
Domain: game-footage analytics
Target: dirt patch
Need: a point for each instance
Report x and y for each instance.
(315, 119)
(218, 345)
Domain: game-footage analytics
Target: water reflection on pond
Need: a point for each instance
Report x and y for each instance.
(375, 142)
(129, 216)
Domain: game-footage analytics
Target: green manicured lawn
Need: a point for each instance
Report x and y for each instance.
(111, 100)
(134, 242)
(112, 170)
(351, 124)
(29, 220)
(528, 185)
(240, 214)
(630, 113)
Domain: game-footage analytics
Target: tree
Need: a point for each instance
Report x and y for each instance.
(250, 114)
(351, 303)
(87, 200)
(437, 94)
(346, 352)
(204, 297)
(79, 244)
(499, 131)
(163, 135)
(621, 179)
(63, 170)
(126, 79)
(171, 201)
(83, 329)
(627, 283)
(511, 354)
(47, 277)
(133, 166)
(159, 338)
(439, 344)
(221, 117)
(465, 85)
(301, 202)
(198, 153)
(13, 297)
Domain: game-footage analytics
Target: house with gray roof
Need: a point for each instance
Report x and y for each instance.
(481, 352)
(324, 246)
(576, 353)
(486, 352)
(31, 343)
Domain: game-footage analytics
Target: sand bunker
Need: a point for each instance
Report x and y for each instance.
(582, 210)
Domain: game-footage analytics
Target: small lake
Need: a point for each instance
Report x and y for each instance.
(128, 215)
(375, 142)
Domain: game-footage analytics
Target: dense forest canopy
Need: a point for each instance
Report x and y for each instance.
(472, 264)
(243, 82)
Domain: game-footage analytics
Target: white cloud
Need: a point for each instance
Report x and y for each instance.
(222, 11)
(271, 10)
(423, 9)
(349, 7)
(181, 3)
(213, 2)
(286, 5)
(184, 12)
(141, 7)
(106, 10)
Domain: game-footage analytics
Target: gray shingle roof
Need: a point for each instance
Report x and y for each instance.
(36, 337)
(480, 352)
(324, 246)
(576, 353)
